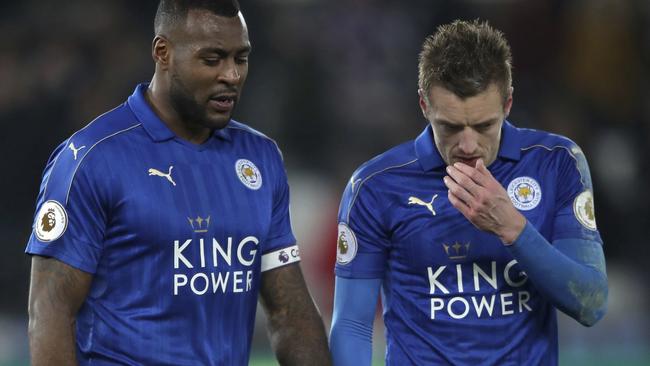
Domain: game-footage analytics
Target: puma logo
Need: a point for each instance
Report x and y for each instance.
(429, 205)
(75, 150)
(354, 182)
(157, 172)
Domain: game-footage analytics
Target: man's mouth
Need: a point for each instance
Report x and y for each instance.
(223, 103)
(471, 161)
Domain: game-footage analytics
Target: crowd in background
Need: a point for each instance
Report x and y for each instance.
(335, 83)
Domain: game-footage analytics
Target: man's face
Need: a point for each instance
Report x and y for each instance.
(466, 130)
(208, 67)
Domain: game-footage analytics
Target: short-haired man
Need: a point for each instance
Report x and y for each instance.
(476, 231)
(169, 218)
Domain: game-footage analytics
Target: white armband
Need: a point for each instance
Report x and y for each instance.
(280, 257)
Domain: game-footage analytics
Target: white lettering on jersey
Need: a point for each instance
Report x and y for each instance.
(506, 275)
(224, 281)
(492, 279)
(483, 304)
(433, 282)
(459, 307)
(251, 253)
(221, 282)
(178, 253)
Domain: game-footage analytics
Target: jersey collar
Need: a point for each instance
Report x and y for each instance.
(155, 127)
(430, 159)
(510, 142)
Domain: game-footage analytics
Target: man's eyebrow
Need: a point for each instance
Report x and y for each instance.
(486, 122)
(452, 124)
(223, 52)
(446, 122)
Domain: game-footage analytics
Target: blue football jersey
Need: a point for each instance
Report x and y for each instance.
(451, 293)
(175, 234)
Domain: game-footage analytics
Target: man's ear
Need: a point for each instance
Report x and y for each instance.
(424, 102)
(508, 104)
(161, 51)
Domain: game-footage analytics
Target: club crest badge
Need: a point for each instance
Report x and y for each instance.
(525, 193)
(583, 208)
(248, 174)
(346, 245)
(51, 221)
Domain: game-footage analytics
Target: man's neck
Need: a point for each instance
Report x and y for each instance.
(158, 98)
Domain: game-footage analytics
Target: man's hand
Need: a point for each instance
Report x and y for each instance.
(483, 201)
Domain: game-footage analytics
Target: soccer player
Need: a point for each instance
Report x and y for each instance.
(160, 222)
(476, 231)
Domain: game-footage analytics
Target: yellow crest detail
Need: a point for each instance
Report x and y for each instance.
(524, 191)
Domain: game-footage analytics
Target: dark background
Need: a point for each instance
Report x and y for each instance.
(335, 83)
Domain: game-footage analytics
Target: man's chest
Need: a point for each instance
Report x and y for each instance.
(427, 233)
(162, 198)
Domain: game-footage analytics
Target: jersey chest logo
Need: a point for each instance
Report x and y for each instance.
(167, 175)
(525, 193)
(248, 174)
(429, 205)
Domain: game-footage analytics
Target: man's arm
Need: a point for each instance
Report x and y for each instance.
(355, 302)
(295, 328)
(570, 273)
(56, 293)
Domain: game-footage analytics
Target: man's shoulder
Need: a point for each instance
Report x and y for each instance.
(239, 131)
(244, 130)
(77, 151)
(398, 157)
(532, 140)
(109, 124)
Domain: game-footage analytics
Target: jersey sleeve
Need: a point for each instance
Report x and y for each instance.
(281, 248)
(70, 217)
(575, 214)
(362, 243)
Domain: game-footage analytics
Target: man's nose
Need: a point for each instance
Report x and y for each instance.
(230, 73)
(468, 141)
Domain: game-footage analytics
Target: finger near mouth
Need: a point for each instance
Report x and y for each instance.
(468, 161)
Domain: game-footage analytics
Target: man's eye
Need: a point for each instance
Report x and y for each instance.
(210, 61)
(451, 128)
(483, 127)
(241, 60)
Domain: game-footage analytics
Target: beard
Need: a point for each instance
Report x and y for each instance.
(189, 110)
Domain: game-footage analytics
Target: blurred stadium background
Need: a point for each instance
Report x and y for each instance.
(334, 82)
